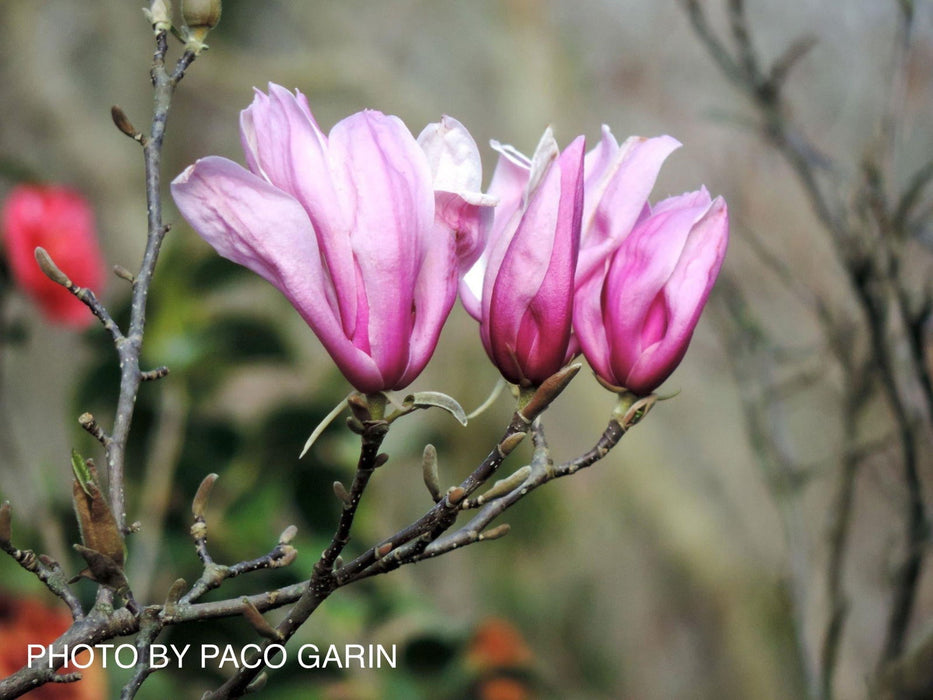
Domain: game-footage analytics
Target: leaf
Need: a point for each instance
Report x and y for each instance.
(81, 471)
(327, 420)
(428, 399)
(98, 527)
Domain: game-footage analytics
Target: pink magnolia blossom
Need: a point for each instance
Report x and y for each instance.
(617, 182)
(521, 290)
(60, 220)
(362, 230)
(635, 321)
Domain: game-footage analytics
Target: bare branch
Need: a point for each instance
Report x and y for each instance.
(43, 567)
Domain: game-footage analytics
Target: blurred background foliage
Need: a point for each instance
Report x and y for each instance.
(660, 573)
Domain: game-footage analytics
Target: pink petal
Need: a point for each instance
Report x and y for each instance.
(252, 223)
(382, 176)
(616, 199)
(685, 294)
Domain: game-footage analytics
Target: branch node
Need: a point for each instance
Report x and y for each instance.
(153, 374)
(66, 677)
(455, 494)
(87, 421)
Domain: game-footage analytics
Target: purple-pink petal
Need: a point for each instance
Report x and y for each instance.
(527, 291)
(381, 176)
(252, 223)
(617, 190)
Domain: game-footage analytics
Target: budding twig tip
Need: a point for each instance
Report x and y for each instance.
(203, 494)
(340, 491)
(123, 273)
(495, 533)
(549, 390)
(259, 623)
(288, 534)
(50, 269)
(429, 472)
(122, 122)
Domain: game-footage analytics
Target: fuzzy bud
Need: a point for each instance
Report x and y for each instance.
(201, 16)
(160, 15)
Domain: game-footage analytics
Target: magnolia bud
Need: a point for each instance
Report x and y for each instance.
(160, 15)
(200, 16)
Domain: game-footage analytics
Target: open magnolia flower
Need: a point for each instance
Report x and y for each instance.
(521, 290)
(348, 226)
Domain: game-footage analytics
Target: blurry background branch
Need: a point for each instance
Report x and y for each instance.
(874, 227)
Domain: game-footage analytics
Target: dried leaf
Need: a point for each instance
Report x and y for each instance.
(98, 527)
(101, 568)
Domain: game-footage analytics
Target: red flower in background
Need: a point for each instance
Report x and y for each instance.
(25, 621)
(61, 221)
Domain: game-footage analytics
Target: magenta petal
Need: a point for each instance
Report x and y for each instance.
(589, 328)
(382, 177)
(551, 309)
(684, 296)
(526, 326)
(656, 287)
(347, 228)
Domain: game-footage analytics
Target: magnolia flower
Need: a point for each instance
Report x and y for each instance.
(521, 290)
(347, 226)
(635, 324)
(61, 221)
(617, 182)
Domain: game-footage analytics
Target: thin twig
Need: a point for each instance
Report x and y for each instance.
(49, 572)
(129, 349)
